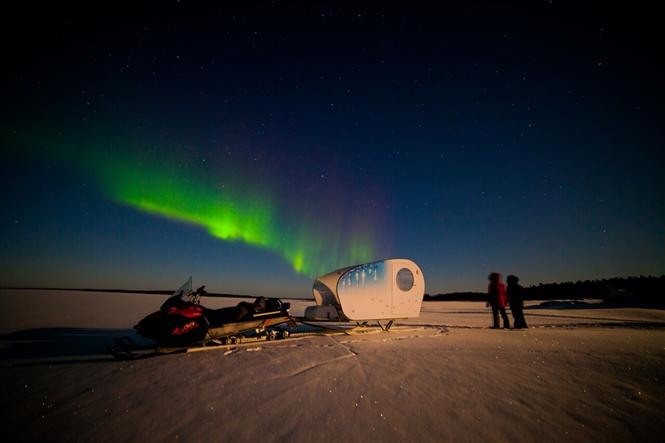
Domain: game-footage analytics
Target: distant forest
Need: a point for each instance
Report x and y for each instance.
(625, 290)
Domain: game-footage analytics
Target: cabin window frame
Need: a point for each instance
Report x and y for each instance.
(404, 279)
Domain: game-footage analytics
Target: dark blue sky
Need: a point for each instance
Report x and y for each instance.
(489, 137)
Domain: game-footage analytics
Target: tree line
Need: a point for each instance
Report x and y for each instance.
(642, 290)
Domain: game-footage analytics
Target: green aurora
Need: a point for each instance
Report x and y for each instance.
(234, 211)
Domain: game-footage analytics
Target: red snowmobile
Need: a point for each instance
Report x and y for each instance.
(182, 321)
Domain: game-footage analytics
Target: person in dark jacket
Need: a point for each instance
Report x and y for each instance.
(516, 301)
(496, 298)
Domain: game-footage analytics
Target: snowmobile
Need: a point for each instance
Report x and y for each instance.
(182, 321)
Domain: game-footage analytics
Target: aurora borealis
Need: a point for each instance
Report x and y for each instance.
(225, 204)
(256, 147)
(231, 215)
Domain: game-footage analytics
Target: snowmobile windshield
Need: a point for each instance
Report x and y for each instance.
(183, 294)
(185, 288)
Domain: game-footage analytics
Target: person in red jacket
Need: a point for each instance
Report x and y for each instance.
(496, 298)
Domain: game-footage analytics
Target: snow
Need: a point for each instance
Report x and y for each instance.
(574, 375)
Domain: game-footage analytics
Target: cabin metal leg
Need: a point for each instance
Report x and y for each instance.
(387, 325)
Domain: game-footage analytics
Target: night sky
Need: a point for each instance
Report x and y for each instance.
(256, 148)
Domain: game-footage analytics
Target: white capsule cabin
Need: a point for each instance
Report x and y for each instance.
(382, 290)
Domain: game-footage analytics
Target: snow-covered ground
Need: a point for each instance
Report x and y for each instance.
(575, 375)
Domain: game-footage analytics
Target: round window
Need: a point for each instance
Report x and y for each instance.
(405, 279)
